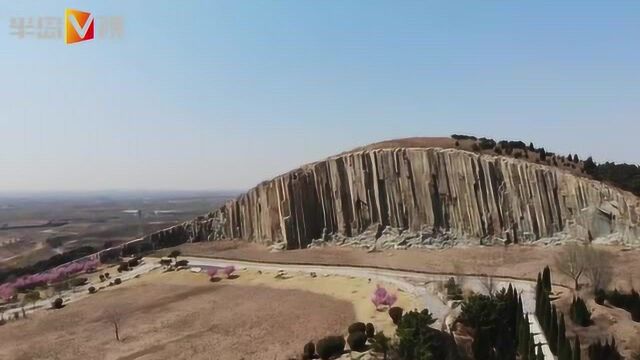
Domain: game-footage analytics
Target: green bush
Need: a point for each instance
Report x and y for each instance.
(396, 314)
(381, 343)
(182, 263)
(133, 262)
(61, 286)
(629, 302)
(606, 351)
(357, 327)
(579, 313)
(124, 266)
(309, 351)
(417, 340)
(92, 290)
(454, 292)
(357, 341)
(487, 144)
(600, 296)
(57, 303)
(79, 281)
(370, 330)
(463, 137)
(117, 281)
(330, 346)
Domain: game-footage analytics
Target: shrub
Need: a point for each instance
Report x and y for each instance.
(165, 262)
(101, 277)
(463, 137)
(174, 254)
(133, 262)
(107, 275)
(330, 346)
(78, 281)
(475, 147)
(117, 281)
(579, 312)
(309, 351)
(382, 297)
(182, 263)
(212, 272)
(61, 286)
(57, 303)
(454, 292)
(498, 151)
(417, 340)
(370, 330)
(395, 313)
(487, 144)
(124, 266)
(629, 302)
(600, 296)
(357, 327)
(228, 270)
(606, 351)
(92, 290)
(357, 341)
(381, 343)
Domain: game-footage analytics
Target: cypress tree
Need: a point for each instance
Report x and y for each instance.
(532, 348)
(539, 354)
(568, 354)
(524, 347)
(538, 295)
(576, 348)
(562, 339)
(553, 334)
(546, 279)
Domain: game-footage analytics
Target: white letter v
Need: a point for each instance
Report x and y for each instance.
(81, 31)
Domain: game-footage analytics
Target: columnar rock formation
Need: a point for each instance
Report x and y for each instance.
(471, 196)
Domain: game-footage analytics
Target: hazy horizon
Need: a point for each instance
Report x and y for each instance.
(224, 95)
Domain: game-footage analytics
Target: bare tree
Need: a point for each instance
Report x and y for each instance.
(597, 267)
(572, 262)
(115, 317)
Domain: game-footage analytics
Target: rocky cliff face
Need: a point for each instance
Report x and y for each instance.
(426, 192)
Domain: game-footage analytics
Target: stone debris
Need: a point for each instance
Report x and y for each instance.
(279, 246)
(195, 269)
(281, 274)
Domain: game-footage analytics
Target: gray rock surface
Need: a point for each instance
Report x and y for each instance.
(420, 197)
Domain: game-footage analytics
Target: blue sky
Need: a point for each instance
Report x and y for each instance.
(225, 94)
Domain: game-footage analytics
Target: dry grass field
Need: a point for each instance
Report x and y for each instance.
(182, 315)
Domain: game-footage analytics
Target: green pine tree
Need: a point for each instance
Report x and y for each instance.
(546, 279)
(532, 348)
(562, 339)
(576, 349)
(538, 295)
(553, 333)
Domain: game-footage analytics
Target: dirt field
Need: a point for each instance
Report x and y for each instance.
(183, 316)
(515, 261)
